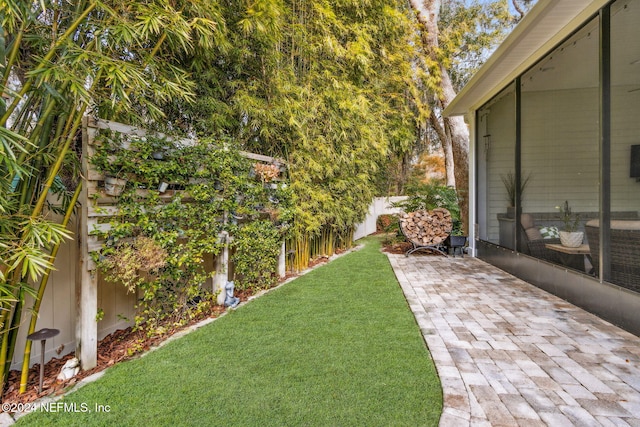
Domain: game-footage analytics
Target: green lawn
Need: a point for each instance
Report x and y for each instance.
(336, 347)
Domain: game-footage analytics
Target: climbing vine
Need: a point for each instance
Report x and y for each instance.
(161, 241)
(256, 268)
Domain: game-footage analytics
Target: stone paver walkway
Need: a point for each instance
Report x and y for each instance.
(510, 354)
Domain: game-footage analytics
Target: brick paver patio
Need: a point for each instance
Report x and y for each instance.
(510, 354)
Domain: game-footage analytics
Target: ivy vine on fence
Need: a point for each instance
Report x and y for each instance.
(170, 214)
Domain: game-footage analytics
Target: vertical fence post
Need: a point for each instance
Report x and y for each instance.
(222, 269)
(282, 261)
(86, 275)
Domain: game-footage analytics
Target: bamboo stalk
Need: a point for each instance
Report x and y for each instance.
(58, 164)
(7, 336)
(6, 314)
(12, 333)
(27, 86)
(13, 54)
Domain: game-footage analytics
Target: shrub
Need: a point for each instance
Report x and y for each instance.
(387, 223)
(257, 248)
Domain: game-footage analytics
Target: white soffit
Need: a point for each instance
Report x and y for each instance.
(545, 26)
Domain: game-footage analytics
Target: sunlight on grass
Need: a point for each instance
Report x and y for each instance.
(335, 347)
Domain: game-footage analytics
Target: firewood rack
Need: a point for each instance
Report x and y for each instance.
(434, 244)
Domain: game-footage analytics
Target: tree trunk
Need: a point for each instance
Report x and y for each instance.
(455, 129)
(518, 9)
(445, 140)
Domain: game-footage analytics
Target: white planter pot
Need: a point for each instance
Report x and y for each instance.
(114, 186)
(571, 239)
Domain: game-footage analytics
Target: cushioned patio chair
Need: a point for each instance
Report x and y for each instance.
(535, 243)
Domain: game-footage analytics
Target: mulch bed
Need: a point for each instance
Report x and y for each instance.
(393, 246)
(112, 349)
(397, 248)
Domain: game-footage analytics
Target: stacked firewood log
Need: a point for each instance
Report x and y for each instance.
(427, 228)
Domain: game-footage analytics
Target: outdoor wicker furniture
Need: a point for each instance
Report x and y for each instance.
(538, 249)
(624, 251)
(536, 246)
(534, 243)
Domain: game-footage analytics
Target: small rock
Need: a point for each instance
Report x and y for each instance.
(6, 419)
(70, 369)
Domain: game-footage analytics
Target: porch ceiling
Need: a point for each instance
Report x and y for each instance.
(546, 25)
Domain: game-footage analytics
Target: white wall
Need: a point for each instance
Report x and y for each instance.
(496, 158)
(58, 309)
(560, 149)
(625, 102)
(379, 206)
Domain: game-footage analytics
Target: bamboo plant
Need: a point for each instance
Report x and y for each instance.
(53, 70)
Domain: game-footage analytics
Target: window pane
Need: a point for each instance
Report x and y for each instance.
(625, 134)
(560, 145)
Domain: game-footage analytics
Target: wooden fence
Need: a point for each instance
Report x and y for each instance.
(96, 208)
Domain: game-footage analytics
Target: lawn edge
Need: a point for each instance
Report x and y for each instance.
(94, 377)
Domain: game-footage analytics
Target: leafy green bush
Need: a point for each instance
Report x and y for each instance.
(257, 247)
(387, 223)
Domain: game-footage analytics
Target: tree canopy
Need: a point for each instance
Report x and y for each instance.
(333, 87)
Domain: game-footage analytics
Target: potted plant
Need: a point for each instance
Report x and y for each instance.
(113, 162)
(509, 181)
(162, 187)
(158, 146)
(456, 241)
(569, 235)
(114, 176)
(114, 186)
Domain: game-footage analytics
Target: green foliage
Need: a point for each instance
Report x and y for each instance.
(509, 181)
(469, 31)
(570, 220)
(333, 88)
(257, 247)
(314, 352)
(58, 61)
(390, 225)
(387, 223)
(431, 196)
(22, 244)
(158, 246)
